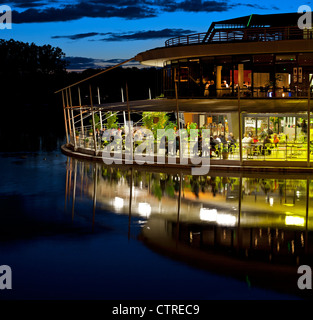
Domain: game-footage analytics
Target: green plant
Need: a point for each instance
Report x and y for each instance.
(154, 121)
(225, 149)
(97, 122)
(111, 122)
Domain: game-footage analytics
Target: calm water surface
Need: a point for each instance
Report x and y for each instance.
(77, 230)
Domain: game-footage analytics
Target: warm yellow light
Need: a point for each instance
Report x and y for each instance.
(144, 209)
(118, 203)
(208, 214)
(294, 221)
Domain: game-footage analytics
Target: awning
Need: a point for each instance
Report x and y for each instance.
(272, 105)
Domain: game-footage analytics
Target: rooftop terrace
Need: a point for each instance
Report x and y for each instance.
(248, 28)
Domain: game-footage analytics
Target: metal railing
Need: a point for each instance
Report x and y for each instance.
(253, 34)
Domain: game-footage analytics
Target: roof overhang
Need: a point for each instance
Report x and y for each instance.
(273, 105)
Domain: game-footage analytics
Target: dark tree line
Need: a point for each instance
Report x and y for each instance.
(30, 74)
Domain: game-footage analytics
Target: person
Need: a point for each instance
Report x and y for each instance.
(266, 143)
(224, 84)
(213, 145)
(247, 139)
(212, 89)
(255, 139)
(304, 126)
(217, 139)
(206, 89)
(222, 138)
(246, 143)
(231, 142)
(275, 139)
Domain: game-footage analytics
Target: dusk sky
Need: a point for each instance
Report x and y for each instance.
(95, 33)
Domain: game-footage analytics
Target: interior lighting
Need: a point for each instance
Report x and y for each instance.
(294, 221)
(144, 209)
(118, 203)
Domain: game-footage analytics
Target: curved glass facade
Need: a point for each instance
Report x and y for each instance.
(258, 76)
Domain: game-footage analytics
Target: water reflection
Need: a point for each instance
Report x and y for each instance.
(255, 228)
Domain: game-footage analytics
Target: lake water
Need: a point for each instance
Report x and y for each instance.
(71, 229)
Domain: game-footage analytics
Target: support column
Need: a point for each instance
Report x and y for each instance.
(73, 122)
(129, 125)
(68, 114)
(100, 114)
(309, 124)
(240, 75)
(124, 114)
(219, 80)
(74, 188)
(93, 121)
(81, 114)
(240, 127)
(65, 120)
(130, 202)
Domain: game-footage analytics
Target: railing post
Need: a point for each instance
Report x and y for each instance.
(72, 114)
(65, 120)
(93, 121)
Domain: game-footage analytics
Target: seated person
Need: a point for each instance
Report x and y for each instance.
(266, 142)
(213, 146)
(275, 139)
(247, 140)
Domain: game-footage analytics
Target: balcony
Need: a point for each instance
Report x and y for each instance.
(240, 34)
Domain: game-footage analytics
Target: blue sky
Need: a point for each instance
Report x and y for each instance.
(97, 33)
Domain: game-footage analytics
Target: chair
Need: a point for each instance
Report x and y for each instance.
(267, 149)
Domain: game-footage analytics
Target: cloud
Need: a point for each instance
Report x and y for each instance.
(83, 63)
(65, 10)
(146, 35)
(194, 6)
(132, 35)
(82, 9)
(77, 36)
(24, 3)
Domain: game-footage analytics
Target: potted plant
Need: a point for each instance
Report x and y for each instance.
(225, 152)
(86, 142)
(77, 135)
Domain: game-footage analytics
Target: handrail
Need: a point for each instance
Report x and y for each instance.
(241, 34)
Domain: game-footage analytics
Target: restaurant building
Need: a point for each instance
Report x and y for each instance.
(250, 76)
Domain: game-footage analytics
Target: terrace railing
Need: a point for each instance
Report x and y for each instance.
(253, 34)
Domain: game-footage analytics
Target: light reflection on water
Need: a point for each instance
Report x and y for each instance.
(75, 229)
(223, 224)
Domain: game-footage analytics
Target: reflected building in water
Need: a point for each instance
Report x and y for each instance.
(256, 228)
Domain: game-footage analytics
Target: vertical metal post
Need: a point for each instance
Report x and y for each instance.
(129, 125)
(94, 194)
(178, 207)
(66, 183)
(99, 102)
(73, 122)
(178, 121)
(130, 202)
(239, 122)
(309, 124)
(65, 119)
(68, 113)
(74, 188)
(239, 212)
(81, 113)
(124, 114)
(307, 213)
(93, 120)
